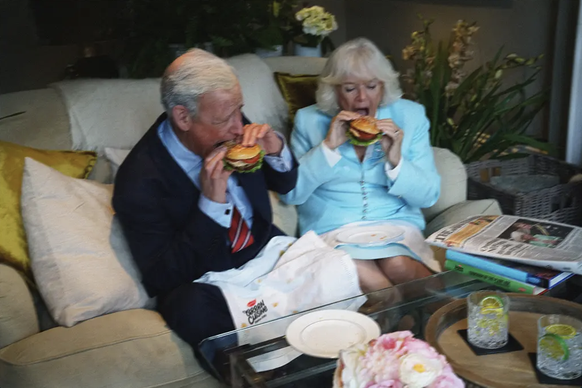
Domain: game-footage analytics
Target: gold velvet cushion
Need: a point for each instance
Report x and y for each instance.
(298, 91)
(13, 246)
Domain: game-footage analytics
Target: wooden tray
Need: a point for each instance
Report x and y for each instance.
(507, 370)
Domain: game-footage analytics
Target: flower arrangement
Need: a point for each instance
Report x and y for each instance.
(315, 24)
(476, 115)
(394, 360)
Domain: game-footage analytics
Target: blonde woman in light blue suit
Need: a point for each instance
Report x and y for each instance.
(340, 183)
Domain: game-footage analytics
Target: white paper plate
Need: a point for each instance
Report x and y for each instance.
(369, 235)
(324, 333)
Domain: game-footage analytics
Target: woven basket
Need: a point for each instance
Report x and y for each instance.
(561, 203)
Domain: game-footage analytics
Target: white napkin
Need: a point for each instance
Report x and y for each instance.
(288, 276)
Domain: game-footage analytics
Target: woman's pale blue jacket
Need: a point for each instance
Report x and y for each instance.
(329, 197)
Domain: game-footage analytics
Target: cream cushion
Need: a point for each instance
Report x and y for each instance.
(128, 349)
(104, 112)
(43, 124)
(453, 182)
(267, 107)
(79, 256)
(115, 156)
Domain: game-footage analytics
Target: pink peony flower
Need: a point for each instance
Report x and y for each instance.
(394, 360)
(447, 379)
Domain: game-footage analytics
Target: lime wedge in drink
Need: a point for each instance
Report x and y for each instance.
(564, 331)
(491, 304)
(554, 346)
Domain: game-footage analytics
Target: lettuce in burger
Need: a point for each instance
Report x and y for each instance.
(363, 131)
(244, 159)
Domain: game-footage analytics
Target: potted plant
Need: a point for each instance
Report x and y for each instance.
(161, 32)
(312, 30)
(273, 26)
(476, 115)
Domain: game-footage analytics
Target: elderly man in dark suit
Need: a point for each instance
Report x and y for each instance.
(177, 204)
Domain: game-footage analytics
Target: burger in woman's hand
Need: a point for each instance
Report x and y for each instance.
(363, 131)
(243, 159)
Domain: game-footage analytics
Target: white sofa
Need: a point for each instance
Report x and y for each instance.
(135, 348)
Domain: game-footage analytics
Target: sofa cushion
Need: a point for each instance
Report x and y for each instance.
(115, 157)
(453, 182)
(110, 112)
(263, 102)
(18, 318)
(126, 349)
(296, 65)
(80, 259)
(13, 245)
(298, 90)
(44, 123)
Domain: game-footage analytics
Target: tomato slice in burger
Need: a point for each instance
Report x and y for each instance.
(366, 136)
(253, 159)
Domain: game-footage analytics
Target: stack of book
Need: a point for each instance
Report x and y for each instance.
(509, 275)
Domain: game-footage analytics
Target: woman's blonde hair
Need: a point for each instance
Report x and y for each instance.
(358, 58)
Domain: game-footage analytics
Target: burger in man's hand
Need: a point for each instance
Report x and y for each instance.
(363, 131)
(243, 159)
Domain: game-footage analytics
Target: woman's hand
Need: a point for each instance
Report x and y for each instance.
(391, 141)
(336, 136)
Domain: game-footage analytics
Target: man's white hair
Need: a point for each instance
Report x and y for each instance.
(361, 59)
(199, 72)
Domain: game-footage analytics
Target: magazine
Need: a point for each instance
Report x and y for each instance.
(536, 276)
(525, 240)
(504, 282)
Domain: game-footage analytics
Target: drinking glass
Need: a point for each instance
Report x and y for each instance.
(488, 321)
(560, 347)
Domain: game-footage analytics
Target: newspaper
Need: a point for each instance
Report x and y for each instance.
(526, 240)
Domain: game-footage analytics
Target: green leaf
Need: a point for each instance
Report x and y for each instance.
(353, 140)
(527, 140)
(515, 155)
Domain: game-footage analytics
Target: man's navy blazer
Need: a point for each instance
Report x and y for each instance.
(172, 241)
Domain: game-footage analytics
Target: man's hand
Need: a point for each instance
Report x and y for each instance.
(263, 135)
(213, 176)
(391, 141)
(336, 136)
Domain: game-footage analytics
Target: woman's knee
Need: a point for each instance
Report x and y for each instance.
(398, 263)
(371, 276)
(400, 269)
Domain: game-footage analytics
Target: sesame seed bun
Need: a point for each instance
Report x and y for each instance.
(240, 152)
(365, 124)
(243, 159)
(363, 131)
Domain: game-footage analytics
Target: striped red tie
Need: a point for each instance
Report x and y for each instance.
(239, 232)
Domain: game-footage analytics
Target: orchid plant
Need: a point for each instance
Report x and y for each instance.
(475, 115)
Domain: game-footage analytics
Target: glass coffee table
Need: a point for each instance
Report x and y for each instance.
(237, 357)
